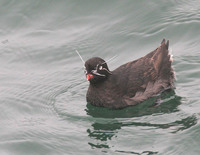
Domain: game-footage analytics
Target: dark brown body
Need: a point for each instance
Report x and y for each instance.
(134, 81)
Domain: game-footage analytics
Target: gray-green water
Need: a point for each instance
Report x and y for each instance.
(42, 85)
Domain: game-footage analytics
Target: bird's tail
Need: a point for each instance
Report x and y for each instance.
(163, 62)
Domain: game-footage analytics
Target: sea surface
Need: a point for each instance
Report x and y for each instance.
(43, 110)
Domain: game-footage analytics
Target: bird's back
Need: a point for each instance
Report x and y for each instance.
(149, 75)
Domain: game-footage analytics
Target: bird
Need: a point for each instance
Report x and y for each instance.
(131, 83)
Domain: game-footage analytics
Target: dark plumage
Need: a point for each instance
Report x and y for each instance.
(131, 83)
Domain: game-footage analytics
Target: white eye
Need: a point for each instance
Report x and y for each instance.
(100, 68)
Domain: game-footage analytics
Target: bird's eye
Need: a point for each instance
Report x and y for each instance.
(100, 68)
(85, 71)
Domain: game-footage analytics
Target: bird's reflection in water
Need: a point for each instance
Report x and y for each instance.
(103, 133)
(108, 122)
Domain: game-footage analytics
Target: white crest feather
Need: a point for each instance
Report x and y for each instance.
(110, 59)
(80, 57)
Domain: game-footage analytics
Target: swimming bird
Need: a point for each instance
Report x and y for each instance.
(131, 83)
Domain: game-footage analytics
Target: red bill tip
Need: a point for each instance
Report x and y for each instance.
(89, 77)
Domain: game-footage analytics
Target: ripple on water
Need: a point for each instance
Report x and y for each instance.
(69, 102)
(188, 74)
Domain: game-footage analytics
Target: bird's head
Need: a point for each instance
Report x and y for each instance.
(96, 70)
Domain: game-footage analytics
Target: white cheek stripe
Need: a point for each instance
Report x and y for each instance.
(107, 70)
(96, 73)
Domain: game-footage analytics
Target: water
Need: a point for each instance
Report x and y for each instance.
(42, 85)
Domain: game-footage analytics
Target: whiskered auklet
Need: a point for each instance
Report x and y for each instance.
(131, 83)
